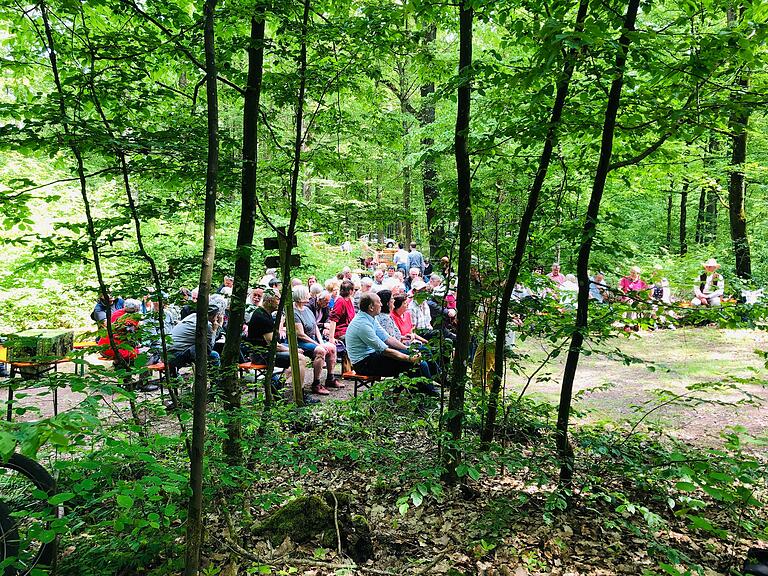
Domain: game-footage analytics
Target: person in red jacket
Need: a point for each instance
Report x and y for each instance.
(125, 325)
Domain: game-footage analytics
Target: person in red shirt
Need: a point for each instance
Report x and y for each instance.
(342, 313)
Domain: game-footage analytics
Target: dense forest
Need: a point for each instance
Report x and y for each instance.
(151, 147)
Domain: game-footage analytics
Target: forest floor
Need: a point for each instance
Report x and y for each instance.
(711, 369)
(504, 524)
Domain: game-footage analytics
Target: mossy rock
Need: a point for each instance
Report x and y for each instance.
(302, 519)
(307, 517)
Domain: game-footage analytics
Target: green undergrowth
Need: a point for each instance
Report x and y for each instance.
(125, 495)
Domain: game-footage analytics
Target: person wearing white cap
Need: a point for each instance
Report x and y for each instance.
(709, 288)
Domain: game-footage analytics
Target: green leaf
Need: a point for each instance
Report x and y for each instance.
(7, 445)
(417, 498)
(60, 498)
(124, 500)
(686, 486)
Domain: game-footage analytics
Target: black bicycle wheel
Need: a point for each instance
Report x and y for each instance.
(9, 539)
(25, 489)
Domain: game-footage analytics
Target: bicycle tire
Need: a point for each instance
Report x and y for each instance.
(42, 480)
(9, 537)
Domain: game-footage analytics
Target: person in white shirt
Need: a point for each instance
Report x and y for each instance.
(400, 259)
(709, 289)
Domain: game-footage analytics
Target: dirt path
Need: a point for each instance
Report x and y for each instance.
(716, 365)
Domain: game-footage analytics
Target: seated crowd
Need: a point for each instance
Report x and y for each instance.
(707, 290)
(378, 322)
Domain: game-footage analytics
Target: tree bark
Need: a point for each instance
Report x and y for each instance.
(737, 214)
(404, 111)
(563, 84)
(710, 228)
(684, 218)
(701, 215)
(231, 354)
(564, 449)
(429, 168)
(286, 247)
(200, 402)
(668, 243)
(455, 420)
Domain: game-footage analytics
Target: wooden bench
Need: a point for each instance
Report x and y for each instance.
(360, 380)
(258, 370)
(33, 371)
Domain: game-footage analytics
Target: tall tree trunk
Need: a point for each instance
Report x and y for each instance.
(710, 227)
(564, 449)
(525, 225)
(429, 168)
(404, 105)
(200, 402)
(701, 218)
(737, 214)
(707, 217)
(231, 355)
(90, 227)
(684, 218)
(286, 245)
(669, 219)
(455, 421)
(157, 282)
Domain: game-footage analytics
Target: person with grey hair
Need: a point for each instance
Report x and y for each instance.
(413, 275)
(321, 309)
(310, 340)
(374, 352)
(366, 283)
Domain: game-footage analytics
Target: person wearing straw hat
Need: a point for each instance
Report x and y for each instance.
(709, 288)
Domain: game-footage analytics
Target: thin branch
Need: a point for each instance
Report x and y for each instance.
(186, 51)
(60, 181)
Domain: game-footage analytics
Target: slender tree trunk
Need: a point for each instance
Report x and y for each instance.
(286, 303)
(522, 234)
(156, 280)
(669, 220)
(195, 511)
(231, 354)
(91, 229)
(564, 449)
(701, 217)
(429, 168)
(403, 97)
(710, 228)
(737, 214)
(455, 421)
(684, 218)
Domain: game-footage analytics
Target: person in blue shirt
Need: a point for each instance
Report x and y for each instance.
(373, 352)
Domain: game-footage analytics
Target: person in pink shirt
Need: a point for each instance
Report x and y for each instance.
(403, 321)
(633, 282)
(555, 275)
